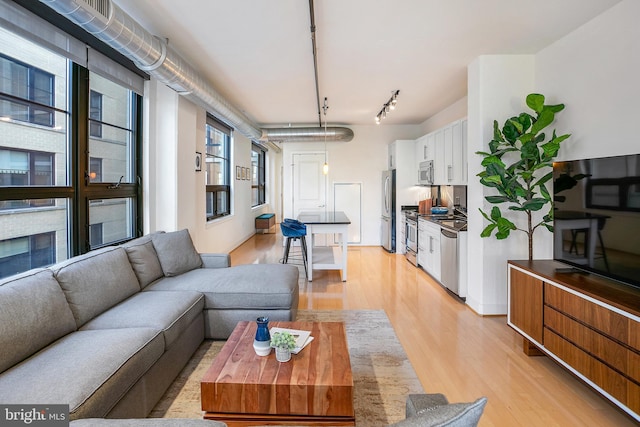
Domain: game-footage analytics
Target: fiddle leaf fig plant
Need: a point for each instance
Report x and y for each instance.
(518, 166)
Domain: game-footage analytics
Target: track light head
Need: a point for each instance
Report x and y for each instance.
(388, 106)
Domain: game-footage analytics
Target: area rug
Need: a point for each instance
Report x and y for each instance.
(382, 374)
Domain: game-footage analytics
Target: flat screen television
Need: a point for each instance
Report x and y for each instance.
(597, 216)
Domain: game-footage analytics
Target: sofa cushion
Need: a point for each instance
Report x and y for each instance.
(141, 240)
(449, 415)
(33, 314)
(250, 286)
(89, 370)
(170, 312)
(96, 281)
(417, 402)
(144, 262)
(176, 252)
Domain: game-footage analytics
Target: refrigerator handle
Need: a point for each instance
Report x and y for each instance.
(386, 194)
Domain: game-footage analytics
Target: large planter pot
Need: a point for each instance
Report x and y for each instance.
(283, 354)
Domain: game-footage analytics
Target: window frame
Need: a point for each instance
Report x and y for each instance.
(31, 173)
(258, 172)
(95, 114)
(32, 241)
(78, 191)
(30, 102)
(215, 192)
(89, 192)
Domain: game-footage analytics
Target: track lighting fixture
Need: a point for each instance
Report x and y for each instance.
(388, 106)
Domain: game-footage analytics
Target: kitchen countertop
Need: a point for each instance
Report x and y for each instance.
(450, 222)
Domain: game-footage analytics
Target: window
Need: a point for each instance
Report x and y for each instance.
(24, 253)
(112, 179)
(258, 156)
(25, 168)
(218, 168)
(26, 92)
(95, 114)
(95, 169)
(58, 192)
(95, 234)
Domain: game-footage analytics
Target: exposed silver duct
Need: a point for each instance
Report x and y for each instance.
(107, 22)
(307, 134)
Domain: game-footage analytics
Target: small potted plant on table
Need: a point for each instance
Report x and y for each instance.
(283, 342)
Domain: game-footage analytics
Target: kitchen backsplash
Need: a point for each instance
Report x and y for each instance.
(447, 195)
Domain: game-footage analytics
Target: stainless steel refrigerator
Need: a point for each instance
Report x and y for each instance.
(388, 229)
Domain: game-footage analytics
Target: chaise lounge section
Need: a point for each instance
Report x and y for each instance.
(108, 331)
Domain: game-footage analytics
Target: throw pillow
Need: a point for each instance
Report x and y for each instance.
(145, 263)
(449, 415)
(176, 252)
(455, 414)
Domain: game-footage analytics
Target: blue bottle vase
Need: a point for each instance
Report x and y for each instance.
(262, 342)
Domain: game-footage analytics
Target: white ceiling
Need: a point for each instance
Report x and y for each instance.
(258, 53)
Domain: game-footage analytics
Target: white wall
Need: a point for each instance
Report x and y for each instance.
(360, 160)
(498, 86)
(159, 153)
(175, 192)
(456, 111)
(595, 72)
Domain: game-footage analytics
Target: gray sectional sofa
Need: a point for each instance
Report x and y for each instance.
(108, 331)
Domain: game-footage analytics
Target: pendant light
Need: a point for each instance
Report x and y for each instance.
(325, 167)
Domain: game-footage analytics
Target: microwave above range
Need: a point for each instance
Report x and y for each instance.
(425, 173)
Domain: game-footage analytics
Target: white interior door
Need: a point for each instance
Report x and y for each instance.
(309, 192)
(309, 183)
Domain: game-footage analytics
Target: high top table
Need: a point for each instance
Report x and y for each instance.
(326, 257)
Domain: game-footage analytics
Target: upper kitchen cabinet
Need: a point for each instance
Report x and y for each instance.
(393, 158)
(465, 154)
(424, 148)
(456, 157)
(447, 147)
(439, 162)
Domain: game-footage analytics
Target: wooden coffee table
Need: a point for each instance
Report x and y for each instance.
(314, 388)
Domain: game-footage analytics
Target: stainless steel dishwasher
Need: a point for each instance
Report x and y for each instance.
(449, 260)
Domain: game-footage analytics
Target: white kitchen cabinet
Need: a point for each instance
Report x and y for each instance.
(393, 158)
(424, 148)
(447, 147)
(421, 150)
(439, 168)
(465, 154)
(456, 163)
(429, 247)
(447, 156)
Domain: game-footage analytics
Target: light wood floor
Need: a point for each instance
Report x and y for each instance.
(453, 350)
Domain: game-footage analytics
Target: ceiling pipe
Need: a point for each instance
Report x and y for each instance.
(314, 49)
(110, 24)
(310, 134)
